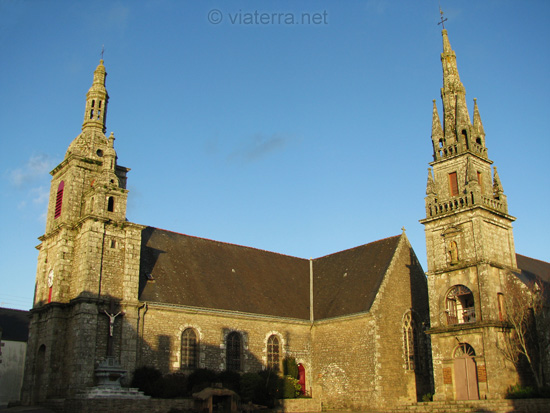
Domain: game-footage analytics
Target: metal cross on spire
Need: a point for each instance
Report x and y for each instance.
(443, 20)
(102, 51)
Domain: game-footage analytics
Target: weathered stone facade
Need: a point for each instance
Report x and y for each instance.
(355, 321)
(470, 251)
(103, 288)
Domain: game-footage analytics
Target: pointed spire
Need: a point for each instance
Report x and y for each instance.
(478, 126)
(96, 101)
(446, 43)
(453, 94)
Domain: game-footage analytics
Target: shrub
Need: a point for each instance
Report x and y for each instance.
(428, 397)
(290, 367)
(251, 384)
(175, 385)
(290, 387)
(149, 380)
(201, 379)
(230, 380)
(520, 392)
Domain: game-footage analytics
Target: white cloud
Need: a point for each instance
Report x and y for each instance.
(36, 167)
(40, 195)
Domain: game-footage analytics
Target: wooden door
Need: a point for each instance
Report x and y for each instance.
(466, 378)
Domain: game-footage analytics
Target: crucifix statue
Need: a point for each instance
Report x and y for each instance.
(112, 316)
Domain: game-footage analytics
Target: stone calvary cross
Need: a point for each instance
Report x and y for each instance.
(112, 318)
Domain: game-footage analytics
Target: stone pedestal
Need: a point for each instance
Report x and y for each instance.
(108, 375)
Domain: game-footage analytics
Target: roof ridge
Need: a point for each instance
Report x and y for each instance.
(531, 258)
(359, 246)
(272, 252)
(14, 309)
(228, 243)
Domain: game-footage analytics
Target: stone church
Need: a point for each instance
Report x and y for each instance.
(366, 326)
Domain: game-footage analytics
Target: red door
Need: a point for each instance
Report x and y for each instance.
(302, 378)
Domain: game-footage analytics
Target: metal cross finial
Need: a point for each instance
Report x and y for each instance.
(102, 51)
(443, 20)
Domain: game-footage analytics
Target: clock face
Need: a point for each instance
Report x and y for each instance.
(50, 279)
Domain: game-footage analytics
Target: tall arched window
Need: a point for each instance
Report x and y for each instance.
(233, 351)
(460, 305)
(188, 349)
(273, 351)
(59, 199)
(409, 341)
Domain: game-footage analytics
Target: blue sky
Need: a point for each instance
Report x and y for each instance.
(303, 139)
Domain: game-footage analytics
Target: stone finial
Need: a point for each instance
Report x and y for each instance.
(497, 185)
(478, 126)
(437, 130)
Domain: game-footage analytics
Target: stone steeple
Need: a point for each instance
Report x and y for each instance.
(92, 142)
(459, 145)
(470, 247)
(459, 135)
(88, 262)
(96, 101)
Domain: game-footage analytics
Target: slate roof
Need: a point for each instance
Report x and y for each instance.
(347, 282)
(198, 272)
(532, 269)
(14, 324)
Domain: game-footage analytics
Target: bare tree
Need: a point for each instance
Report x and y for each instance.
(523, 312)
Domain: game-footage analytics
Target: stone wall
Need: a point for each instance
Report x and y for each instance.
(359, 360)
(162, 326)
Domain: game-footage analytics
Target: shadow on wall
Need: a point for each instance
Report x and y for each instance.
(69, 340)
(419, 297)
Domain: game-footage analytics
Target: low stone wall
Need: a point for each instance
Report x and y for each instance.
(300, 405)
(295, 405)
(469, 406)
(120, 405)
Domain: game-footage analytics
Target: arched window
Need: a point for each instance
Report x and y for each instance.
(460, 305)
(111, 204)
(59, 199)
(273, 351)
(410, 341)
(188, 349)
(233, 352)
(464, 350)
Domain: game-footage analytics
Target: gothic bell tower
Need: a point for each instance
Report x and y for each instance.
(88, 264)
(470, 250)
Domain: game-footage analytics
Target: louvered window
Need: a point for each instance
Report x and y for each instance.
(59, 199)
